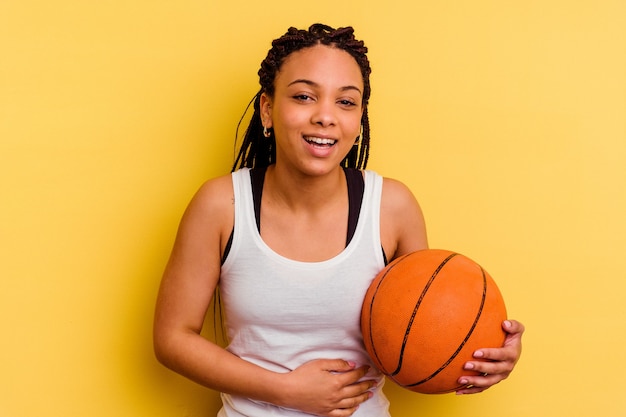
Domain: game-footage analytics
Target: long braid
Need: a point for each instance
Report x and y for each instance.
(258, 151)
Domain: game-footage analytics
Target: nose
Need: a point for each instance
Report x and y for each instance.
(324, 114)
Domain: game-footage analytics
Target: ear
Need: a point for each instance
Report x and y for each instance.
(265, 105)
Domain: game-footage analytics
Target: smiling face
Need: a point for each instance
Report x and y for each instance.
(316, 109)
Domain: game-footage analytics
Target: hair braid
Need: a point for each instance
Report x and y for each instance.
(259, 151)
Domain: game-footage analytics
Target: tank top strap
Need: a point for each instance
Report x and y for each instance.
(356, 187)
(257, 178)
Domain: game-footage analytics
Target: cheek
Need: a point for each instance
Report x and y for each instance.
(286, 120)
(285, 125)
(353, 126)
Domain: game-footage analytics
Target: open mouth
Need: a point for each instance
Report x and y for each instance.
(320, 141)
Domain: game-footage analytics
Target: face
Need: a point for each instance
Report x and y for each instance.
(316, 109)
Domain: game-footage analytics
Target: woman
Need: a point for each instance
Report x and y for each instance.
(293, 244)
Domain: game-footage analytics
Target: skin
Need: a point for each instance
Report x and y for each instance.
(318, 94)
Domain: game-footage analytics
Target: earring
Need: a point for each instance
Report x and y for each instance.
(358, 138)
(266, 133)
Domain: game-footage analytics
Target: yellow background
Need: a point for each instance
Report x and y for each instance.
(507, 119)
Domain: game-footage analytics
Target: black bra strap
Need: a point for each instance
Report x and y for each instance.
(356, 188)
(257, 177)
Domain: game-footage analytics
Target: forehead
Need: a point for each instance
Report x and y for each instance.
(324, 65)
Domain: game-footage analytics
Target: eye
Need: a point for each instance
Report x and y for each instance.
(302, 97)
(346, 103)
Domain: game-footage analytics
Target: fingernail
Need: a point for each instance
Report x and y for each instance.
(507, 323)
(469, 365)
(479, 354)
(351, 364)
(463, 381)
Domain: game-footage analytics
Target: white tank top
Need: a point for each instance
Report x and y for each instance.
(281, 313)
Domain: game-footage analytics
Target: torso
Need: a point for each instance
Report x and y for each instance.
(281, 313)
(331, 239)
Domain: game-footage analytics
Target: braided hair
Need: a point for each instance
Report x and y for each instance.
(259, 151)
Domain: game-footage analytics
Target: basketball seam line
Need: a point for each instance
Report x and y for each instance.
(371, 335)
(417, 305)
(469, 334)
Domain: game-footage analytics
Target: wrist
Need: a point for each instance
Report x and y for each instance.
(280, 392)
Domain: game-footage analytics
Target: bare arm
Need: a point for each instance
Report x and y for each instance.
(327, 387)
(402, 232)
(495, 364)
(187, 287)
(402, 224)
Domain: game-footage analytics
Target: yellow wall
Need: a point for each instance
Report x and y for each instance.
(507, 119)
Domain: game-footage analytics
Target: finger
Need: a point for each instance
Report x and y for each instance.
(511, 349)
(513, 327)
(491, 354)
(359, 388)
(475, 384)
(509, 352)
(361, 393)
(337, 365)
(343, 412)
(354, 402)
(470, 390)
(481, 367)
(501, 368)
(361, 371)
(352, 376)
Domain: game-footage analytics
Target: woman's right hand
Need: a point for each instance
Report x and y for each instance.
(327, 387)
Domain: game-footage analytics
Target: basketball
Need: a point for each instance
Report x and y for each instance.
(425, 314)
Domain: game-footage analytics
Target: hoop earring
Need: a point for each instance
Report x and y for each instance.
(358, 138)
(266, 133)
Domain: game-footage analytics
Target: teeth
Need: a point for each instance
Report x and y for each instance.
(320, 141)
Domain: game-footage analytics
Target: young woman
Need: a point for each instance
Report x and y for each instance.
(293, 237)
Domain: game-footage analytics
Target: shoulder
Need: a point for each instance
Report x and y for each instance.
(211, 210)
(193, 269)
(213, 197)
(213, 192)
(397, 198)
(403, 228)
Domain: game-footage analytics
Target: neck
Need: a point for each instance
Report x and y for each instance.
(304, 192)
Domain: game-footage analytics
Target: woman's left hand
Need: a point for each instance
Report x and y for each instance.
(494, 364)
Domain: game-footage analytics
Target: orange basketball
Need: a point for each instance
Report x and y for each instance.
(425, 314)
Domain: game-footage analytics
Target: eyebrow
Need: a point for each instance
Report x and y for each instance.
(314, 84)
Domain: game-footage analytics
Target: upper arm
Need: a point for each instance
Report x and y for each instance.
(402, 225)
(193, 269)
